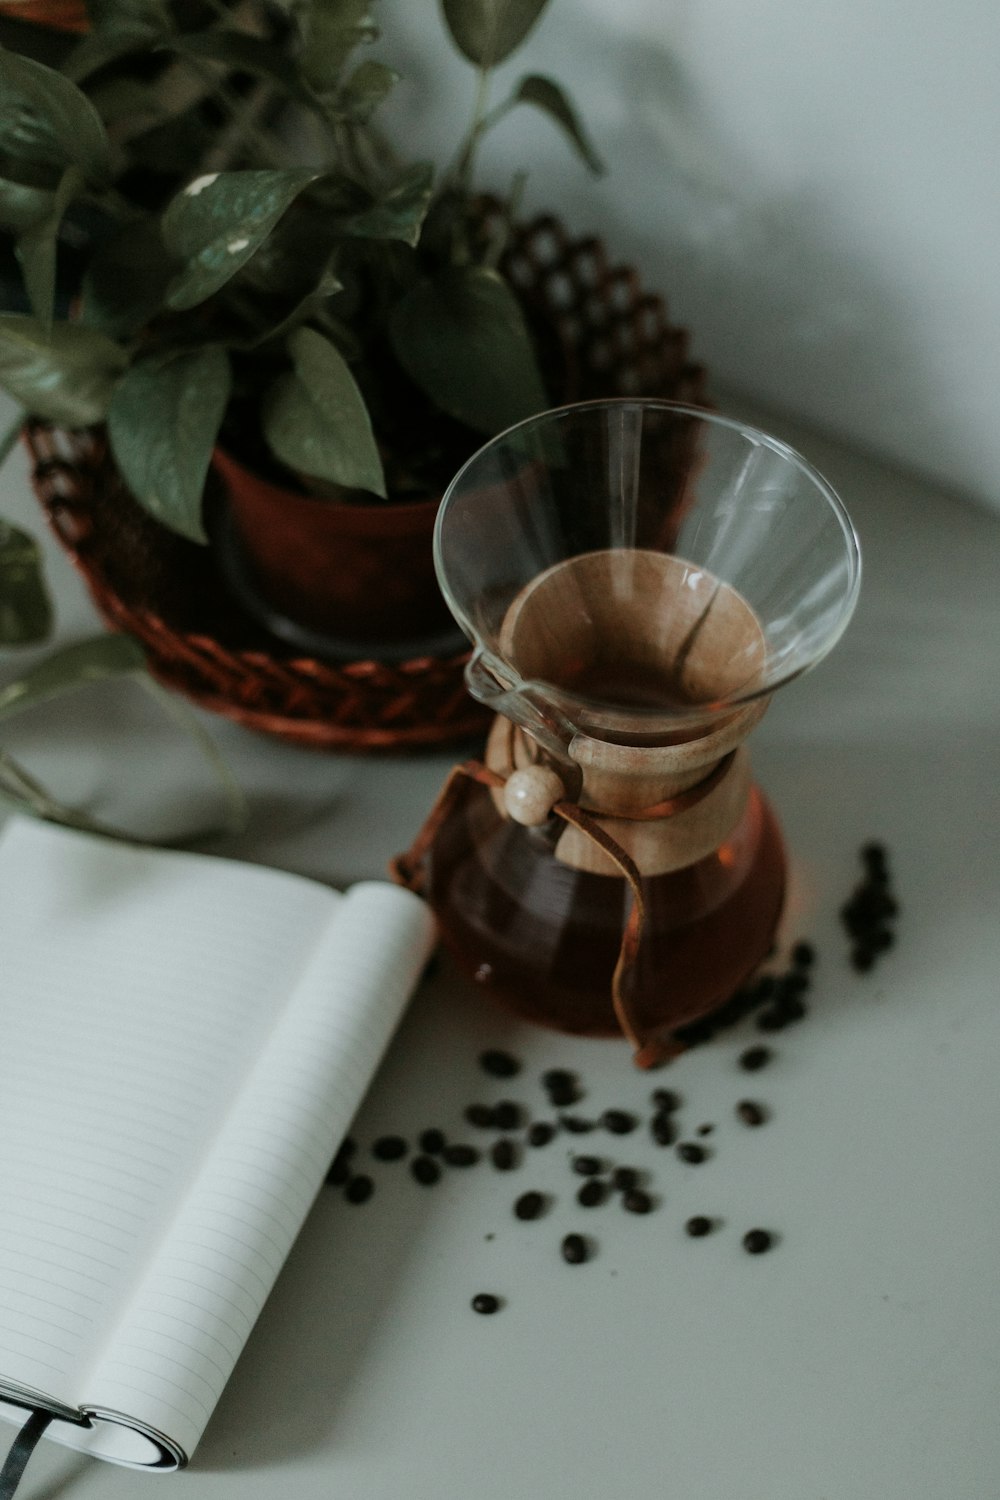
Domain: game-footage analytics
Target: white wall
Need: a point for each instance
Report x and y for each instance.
(815, 187)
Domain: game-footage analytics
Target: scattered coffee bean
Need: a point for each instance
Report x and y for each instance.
(874, 855)
(425, 1169)
(359, 1189)
(432, 1141)
(690, 1151)
(803, 955)
(575, 1249)
(592, 1193)
(389, 1148)
(755, 1058)
(541, 1133)
(663, 1129)
(870, 909)
(623, 1179)
(619, 1121)
(698, 1226)
(503, 1154)
(485, 1302)
(508, 1116)
(576, 1125)
(636, 1201)
(460, 1155)
(530, 1205)
(499, 1064)
(705, 1129)
(587, 1166)
(750, 1112)
(481, 1115)
(562, 1087)
(756, 1241)
(666, 1099)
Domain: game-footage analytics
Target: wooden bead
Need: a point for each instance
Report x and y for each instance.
(530, 794)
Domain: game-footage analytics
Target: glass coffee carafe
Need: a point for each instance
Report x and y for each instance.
(637, 578)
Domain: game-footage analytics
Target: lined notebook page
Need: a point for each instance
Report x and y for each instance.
(136, 987)
(174, 1349)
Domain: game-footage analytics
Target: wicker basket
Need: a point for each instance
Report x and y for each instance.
(169, 593)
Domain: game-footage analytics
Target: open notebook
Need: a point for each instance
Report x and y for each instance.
(184, 1042)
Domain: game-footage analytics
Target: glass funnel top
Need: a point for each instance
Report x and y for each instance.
(637, 567)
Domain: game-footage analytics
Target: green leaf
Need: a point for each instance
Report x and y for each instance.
(400, 212)
(129, 18)
(463, 339)
(22, 206)
(163, 422)
(487, 31)
(37, 245)
(126, 279)
(369, 84)
(316, 420)
(547, 95)
(216, 223)
(66, 376)
(25, 609)
(244, 54)
(331, 29)
(46, 121)
(71, 667)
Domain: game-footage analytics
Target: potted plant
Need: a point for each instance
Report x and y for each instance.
(293, 334)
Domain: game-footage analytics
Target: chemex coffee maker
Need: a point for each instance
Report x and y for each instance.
(637, 578)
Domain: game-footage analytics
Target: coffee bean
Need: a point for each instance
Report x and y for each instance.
(359, 1189)
(577, 1125)
(541, 1133)
(771, 1020)
(485, 1302)
(529, 1205)
(666, 1099)
(592, 1193)
(874, 855)
(750, 1112)
(623, 1179)
(756, 1241)
(508, 1116)
(425, 1169)
(705, 1129)
(587, 1166)
(690, 1151)
(389, 1148)
(575, 1249)
(460, 1155)
(663, 1129)
(618, 1121)
(562, 1087)
(637, 1202)
(481, 1115)
(499, 1064)
(803, 955)
(432, 1141)
(755, 1058)
(698, 1226)
(503, 1154)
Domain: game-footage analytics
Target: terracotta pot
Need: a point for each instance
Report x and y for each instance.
(341, 579)
(56, 15)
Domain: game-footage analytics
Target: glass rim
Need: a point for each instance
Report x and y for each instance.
(711, 419)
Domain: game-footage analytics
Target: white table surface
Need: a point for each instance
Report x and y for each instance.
(860, 1358)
